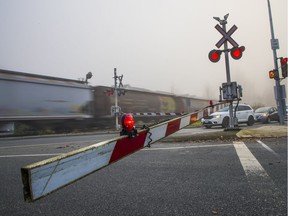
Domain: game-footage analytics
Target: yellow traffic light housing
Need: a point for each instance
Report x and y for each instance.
(273, 74)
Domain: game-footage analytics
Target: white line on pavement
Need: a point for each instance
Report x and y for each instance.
(249, 163)
(28, 155)
(48, 144)
(145, 149)
(268, 148)
(258, 179)
(185, 147)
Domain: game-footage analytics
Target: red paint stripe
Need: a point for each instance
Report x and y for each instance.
(127, 146)
(172, 127)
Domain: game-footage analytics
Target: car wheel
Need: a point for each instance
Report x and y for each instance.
(250, 121)
(225, 122)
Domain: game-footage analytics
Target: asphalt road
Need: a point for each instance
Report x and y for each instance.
(209, 178)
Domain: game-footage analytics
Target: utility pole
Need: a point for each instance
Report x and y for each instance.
(278, 89)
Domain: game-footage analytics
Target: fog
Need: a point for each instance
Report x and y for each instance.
(156, 44)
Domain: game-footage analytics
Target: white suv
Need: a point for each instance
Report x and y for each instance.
(244, 114)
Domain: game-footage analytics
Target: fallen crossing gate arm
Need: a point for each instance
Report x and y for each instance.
(44, 177)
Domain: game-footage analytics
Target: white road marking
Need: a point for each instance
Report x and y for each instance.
(258, 179)
(185, 147)
(268, 148)
(29, 155)
(249, 163)
(145, 149)
(48, 144)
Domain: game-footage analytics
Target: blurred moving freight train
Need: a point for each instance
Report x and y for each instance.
(147, 106)
(57, 103)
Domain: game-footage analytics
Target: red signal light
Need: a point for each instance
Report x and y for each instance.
(128, 127)
(128, 122)
(236, 52)
(284, 66)
(214, 55)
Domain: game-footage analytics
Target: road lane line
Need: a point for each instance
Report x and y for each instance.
(185, 147)
(268, 148)
(146, 149)
(49, 144)
(29, 155)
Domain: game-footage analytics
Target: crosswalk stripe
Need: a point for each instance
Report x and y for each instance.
(259, 181)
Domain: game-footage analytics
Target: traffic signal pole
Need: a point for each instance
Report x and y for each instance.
(279, 94)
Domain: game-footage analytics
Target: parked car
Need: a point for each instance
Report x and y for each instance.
(266, 114)
(244, 114)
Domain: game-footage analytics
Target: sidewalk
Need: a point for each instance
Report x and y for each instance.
(263, 131)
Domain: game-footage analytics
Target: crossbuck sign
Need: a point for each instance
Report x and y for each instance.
(226, 36)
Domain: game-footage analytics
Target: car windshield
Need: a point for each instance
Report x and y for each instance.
(262, 110)
(225, 109)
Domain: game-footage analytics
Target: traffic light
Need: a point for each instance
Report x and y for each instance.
(128, 128)
(236, 52)
(214, 55)
(284, 66)
(273, 74)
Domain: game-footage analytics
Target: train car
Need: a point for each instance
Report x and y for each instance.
(142, 101)
(62, 104)
(36, 99)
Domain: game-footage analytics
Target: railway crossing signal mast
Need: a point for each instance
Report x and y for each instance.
(229, 91)
(118, 90)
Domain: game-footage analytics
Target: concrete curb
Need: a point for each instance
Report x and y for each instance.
(260, 132)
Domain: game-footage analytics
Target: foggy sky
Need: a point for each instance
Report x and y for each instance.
(156, 44)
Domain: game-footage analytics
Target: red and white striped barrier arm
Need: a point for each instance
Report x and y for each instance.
(44, 177)
(157, 114)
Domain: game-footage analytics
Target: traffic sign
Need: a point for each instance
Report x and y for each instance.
(274, 44)
(226, 36)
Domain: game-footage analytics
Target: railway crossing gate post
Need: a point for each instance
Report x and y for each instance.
(118, 90)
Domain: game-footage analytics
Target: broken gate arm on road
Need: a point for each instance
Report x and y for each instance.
(44, 177)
